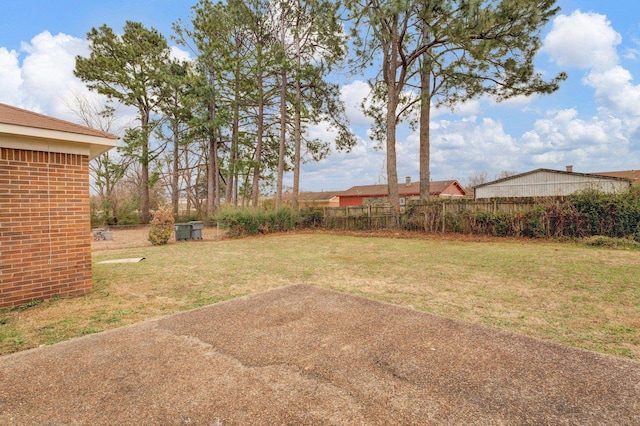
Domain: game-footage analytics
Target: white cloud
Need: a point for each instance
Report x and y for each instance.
(519, 101)
(179, 54)
(47, 72)
(601, 142)
(40, 76)
(584, 40)
(468, 108)
(10, 78)
(362, 166)
(548, 159)
(461, 147)
(564, 138)
(615, 91)
(44, 80)
(565, 128)
(352, 95)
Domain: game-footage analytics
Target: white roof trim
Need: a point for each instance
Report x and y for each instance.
(37, 139)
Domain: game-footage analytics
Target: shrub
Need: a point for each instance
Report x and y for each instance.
(242, 222)
(609, 242)
(636, 235)
(310, 218)
(161, 226)
(534, 221)
(239, 222)
(280, 220)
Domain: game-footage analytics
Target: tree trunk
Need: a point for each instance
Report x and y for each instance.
(392, 171)
(255, 187)
(283, 113)
(425, 118)
(297, 129)
(212, 169)
(235, 146)
(174, 176)
(187, 180)
(216, 172)
(283, 138)
(390, 64)
(231, 193)
(146, 215)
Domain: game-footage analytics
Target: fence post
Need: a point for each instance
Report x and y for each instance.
(444, 212)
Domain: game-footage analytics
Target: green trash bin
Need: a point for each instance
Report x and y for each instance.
(183, 231)
(196, 230)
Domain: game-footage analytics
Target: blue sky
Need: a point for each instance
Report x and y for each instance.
(592, 122)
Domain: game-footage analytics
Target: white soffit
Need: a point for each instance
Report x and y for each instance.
(38, 139)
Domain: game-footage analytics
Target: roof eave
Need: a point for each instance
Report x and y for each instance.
(560, 172)
(33, 138)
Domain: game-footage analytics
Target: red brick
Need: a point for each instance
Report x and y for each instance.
(39, 214)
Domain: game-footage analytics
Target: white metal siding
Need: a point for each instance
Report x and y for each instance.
(548, 184)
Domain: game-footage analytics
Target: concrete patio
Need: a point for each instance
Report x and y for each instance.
(304, 355)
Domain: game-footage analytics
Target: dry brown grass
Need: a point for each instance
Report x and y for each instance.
(562, 292)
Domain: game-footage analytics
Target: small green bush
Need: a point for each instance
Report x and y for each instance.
(534, 221)
(310, 218)
(243, 222)
(161, 227)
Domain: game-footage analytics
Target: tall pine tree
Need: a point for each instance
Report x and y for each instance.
(130, 68)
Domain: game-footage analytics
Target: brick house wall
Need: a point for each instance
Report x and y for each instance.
(45, 239)
(348, 201)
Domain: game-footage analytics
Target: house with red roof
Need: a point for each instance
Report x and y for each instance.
(408, 191)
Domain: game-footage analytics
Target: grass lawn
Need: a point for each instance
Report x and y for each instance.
(562, 292)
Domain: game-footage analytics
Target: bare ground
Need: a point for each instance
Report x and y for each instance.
(138, 236)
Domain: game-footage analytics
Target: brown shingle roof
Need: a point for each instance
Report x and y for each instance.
(633, 175)
(435, 188)
(21, 117)
(314, 196)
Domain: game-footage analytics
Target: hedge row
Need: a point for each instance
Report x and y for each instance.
(243, 222)
(581, 215)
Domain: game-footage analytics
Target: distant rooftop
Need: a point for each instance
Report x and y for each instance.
(413, 188)
(633, 175)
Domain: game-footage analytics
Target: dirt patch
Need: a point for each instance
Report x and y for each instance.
(138, 236)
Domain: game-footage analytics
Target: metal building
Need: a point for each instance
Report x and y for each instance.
(549, 183)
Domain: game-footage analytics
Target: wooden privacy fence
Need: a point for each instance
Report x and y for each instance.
(488, 218)
(357, 217)
(467, 216)
(529, 217)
